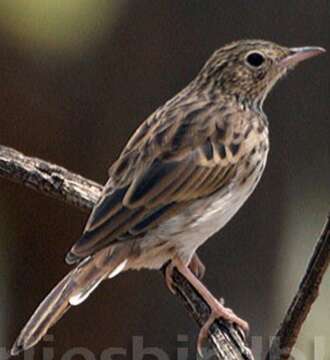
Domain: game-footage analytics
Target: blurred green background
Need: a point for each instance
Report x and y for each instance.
(76, 79)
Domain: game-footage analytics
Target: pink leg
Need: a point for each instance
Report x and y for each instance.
(217, 309)
(197, 267)
(169, 276)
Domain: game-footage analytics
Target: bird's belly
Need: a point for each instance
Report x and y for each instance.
(217, 212)
(214, 212)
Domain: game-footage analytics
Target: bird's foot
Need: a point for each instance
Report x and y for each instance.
(218, 311)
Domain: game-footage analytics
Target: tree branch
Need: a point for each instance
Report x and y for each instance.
(226, 341)
(301, 304)
(49, 179)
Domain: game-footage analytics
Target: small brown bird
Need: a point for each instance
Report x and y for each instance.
(182, 176)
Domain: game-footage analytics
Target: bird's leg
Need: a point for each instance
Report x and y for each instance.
(197, 267)
(169, 276)
(217, 309)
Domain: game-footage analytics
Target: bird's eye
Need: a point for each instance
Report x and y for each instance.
(255, 59)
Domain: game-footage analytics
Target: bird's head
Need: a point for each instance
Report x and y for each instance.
(248, 69)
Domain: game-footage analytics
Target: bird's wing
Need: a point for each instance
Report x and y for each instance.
(167, 164)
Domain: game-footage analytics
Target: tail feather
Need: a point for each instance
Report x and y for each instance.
(73, 289)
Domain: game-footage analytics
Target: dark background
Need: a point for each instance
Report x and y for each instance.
(76, 79)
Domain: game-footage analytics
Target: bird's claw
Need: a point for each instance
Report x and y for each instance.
(220, 312)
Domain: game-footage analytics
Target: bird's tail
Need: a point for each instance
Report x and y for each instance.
(72, 290)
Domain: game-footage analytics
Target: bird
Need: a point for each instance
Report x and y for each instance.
(184, 173)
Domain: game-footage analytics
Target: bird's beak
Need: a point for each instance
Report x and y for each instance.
(300, 54)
